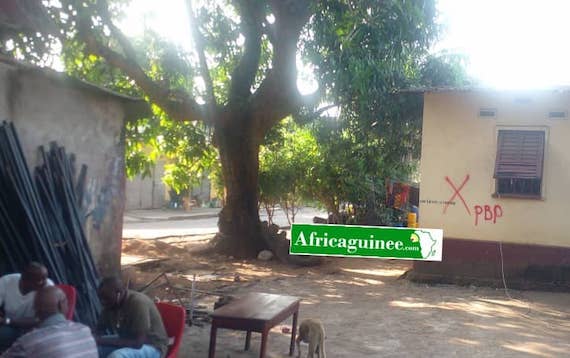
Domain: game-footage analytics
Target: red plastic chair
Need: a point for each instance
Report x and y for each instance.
(174, 319)
(71, 294)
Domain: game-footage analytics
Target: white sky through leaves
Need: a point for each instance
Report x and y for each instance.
(508, 43)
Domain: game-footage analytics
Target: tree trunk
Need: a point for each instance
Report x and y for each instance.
(240, 232)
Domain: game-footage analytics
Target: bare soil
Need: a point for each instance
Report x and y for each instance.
(368, 311)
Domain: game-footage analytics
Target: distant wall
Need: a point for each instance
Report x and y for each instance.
(149, 192)
(90, 124)
(202, 193)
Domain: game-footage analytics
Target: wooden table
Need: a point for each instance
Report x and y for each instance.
(255, 312)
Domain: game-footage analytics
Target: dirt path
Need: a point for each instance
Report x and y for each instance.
(369, 312)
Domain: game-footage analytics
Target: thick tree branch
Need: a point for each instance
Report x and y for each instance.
(320, 111)
(178, 105)
(278, 95)
(205, 71)
(269, 31)
(251, 12)
(128, 50)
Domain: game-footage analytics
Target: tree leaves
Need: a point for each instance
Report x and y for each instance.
(362, 52)
(286, 161)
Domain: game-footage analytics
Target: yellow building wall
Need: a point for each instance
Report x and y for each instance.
(459, 145)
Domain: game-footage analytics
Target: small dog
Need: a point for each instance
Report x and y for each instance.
(312, 331)
(222, 301)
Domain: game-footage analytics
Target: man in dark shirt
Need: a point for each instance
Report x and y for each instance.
(134, 321)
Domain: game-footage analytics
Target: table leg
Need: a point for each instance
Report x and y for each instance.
(247, 340)
(212, 350)
(263, 343)
(293, 332)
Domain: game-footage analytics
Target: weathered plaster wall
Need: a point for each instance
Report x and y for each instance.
(458, 154)
(90, 125)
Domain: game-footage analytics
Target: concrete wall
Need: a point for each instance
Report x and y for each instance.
(203, 192)
(89, 123)
(459, 147)
(152, 193)
(149, 192)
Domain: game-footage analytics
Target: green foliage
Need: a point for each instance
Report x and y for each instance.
(185, 146)
(140, 158)
(362, 52)
(360, 149)
(219, 23)
(220, 29)
(444, 69)
(286, 160)
(349, 161)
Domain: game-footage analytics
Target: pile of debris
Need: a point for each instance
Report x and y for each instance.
(196, 314)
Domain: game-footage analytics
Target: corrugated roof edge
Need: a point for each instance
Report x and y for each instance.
(480, 89)
(135, 106)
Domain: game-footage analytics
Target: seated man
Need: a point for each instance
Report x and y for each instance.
(17, 292)
(54, 336)
(133, 319)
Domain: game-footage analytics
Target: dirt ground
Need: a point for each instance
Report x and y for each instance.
(366, 309)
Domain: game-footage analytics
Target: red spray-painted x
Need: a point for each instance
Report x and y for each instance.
(456, 192)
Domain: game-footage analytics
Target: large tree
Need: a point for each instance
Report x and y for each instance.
(246, 56)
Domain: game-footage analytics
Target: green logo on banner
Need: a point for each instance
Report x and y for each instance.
(367, 241)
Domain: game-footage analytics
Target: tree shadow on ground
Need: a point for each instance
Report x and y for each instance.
(369, 312)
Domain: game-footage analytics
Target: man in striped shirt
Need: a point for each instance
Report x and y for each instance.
(54, 337)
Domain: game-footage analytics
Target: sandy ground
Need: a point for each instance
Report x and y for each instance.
(367, 310)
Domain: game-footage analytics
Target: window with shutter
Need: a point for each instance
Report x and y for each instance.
(520, 158)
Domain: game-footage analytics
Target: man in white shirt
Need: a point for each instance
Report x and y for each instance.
(17, 293)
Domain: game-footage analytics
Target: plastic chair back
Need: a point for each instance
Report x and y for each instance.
(71, 294)
(174, 319)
